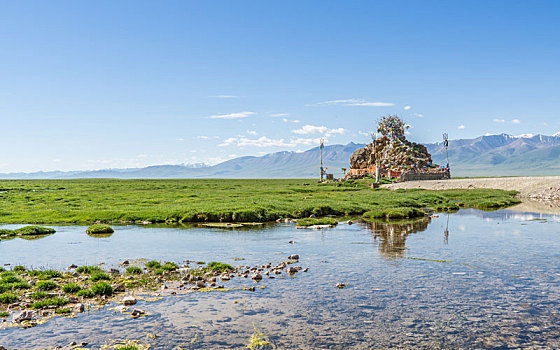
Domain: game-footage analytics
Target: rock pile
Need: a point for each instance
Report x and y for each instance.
(395, 153)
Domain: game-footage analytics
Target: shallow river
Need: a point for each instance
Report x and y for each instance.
(467, 280)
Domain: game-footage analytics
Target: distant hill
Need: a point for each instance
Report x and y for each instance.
(491, 155)
(501, 155)
(273, 165)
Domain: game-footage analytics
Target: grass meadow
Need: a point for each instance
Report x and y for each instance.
(212, 200)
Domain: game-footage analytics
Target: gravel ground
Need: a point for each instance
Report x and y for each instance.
(545, 188)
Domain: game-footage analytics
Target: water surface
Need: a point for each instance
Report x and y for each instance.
(467, 280)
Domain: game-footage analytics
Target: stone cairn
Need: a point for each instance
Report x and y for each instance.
(392, 151)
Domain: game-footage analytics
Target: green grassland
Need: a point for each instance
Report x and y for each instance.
(211, 200)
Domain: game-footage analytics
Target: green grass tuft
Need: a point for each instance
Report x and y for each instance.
(100, 276)
(56, 301)
(8, 298)
(133, 270)
(219, 267)
(102, 288)
(89, 269)
(46, 286)
(71, 288)
(153, 264)
(86, 293)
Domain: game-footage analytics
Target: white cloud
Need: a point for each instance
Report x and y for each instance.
(295, 121)
(516, 121)
(323, 130)
(406, 108)
(364, 133)
(180, 139)
(461, 127)
(252, 132)
(279, 115)
(202, 137)
(497, 120)
(419, 115)
(225, 96)
(264, 141)
(237, 115)
(285, 120)
(356, 102)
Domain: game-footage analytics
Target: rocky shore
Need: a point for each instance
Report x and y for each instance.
(32, 297)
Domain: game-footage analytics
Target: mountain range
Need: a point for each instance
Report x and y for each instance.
(489, 155)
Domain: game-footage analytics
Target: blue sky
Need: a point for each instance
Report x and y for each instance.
(107, 84)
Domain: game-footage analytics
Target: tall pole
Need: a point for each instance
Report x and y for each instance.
(322, 146)
(446, 143)
(377, 179)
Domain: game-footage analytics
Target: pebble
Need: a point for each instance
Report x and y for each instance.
(256, 277)
(137, 312)
(293, 257)
(25, 315)
(129, 300)
(341, 285)
(200, 284)
(79, 307)
(121, 308)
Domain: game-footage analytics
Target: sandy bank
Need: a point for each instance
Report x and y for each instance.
(537, 187)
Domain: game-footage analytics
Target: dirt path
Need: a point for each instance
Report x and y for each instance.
(537, 187)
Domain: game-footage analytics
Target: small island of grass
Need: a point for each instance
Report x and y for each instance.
(309, 222)
(27, 231)
(34, 231)
(99, 229)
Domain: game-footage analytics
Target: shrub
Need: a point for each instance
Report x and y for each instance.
(153, 264)
(8, 298)
(133, 270)
(62, 311)
(56, 301)
(71, 288)
(219, 267)
(99, 228)
(46, 285)
(2, 269)
(102, 288)
(88, 269)
(86, 293)
(4, 314)
(159, 271)
(19, 268)
(34, 230)
(100, 276)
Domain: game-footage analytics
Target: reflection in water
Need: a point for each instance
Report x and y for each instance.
(99, 235)
(34, 237)
(392, 235)
(446, 231)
